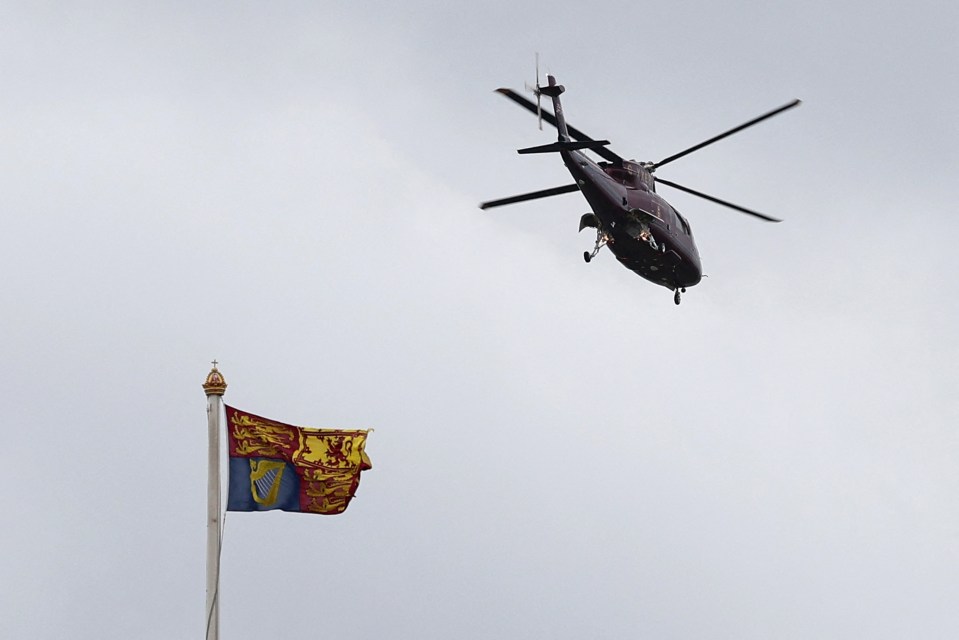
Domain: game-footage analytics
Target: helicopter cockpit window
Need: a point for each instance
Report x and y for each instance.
(618, 174)
(683, 223)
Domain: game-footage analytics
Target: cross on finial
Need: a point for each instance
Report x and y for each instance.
(215, 384)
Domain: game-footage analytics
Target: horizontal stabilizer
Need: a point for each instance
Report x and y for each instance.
(566, 146)
(552, 90)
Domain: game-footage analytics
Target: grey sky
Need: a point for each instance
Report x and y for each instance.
(560, 452)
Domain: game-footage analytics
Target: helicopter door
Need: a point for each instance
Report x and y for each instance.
(666, 216)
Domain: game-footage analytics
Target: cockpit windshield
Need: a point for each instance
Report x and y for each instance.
(630, 174)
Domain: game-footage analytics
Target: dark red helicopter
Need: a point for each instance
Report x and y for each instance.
(645, 233)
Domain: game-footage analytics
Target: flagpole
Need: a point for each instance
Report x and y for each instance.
(215, 387)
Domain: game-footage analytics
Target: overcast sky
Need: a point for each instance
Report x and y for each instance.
(559, 450)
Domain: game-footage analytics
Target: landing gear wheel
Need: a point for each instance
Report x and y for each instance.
(676, 296)
(601, 241)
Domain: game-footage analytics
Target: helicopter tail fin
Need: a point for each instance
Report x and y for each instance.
(554, 90)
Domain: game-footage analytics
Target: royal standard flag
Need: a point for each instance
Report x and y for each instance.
(279, 466)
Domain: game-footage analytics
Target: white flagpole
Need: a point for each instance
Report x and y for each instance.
(215, 387)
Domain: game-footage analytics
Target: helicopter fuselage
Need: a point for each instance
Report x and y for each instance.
(645, 233)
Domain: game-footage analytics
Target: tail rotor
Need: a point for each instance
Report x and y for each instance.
(536, 91)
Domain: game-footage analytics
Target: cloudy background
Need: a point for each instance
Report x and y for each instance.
(559, 451)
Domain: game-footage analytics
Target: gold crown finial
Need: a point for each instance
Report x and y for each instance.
(215, 384)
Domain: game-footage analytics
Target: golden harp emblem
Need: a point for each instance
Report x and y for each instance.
(265, 477)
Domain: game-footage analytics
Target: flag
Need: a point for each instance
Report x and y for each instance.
(279, 466)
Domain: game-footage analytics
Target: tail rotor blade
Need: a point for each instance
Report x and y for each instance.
(539, 95)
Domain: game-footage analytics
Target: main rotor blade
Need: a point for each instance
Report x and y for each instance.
(575, 133)
(717, 200)
(545, 193)
(728, 133)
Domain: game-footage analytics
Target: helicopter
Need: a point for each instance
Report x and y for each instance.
(645, 233)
